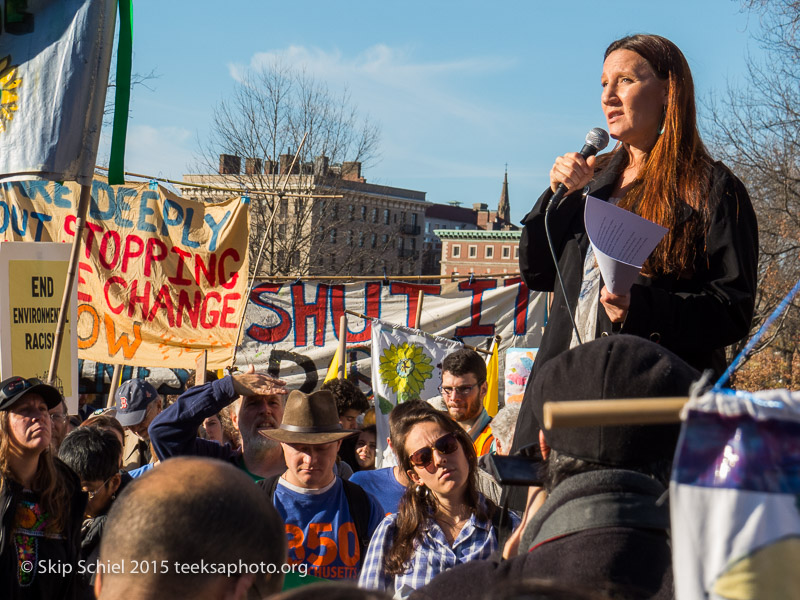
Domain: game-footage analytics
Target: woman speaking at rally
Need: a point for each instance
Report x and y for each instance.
(695, 293)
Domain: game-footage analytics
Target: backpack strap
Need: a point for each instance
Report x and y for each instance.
(360, 508)
(269, 485)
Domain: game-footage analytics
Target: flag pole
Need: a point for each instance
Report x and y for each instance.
(112, 389)
(342, 346)
(83, 203)
(418, 317)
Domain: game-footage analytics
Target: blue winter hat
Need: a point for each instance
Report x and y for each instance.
(132, 399)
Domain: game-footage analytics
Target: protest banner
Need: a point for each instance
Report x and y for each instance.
(161, 278)
(734, 497)
(290, 328)
(29, 309)
(54, 63)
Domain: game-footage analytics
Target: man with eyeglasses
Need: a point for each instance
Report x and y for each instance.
(60, 420)
(463, 389)
(137, 404)
(94, 455)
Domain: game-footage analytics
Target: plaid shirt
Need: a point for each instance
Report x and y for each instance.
(432, 555)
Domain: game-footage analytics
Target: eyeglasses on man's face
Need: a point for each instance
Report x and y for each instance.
(460, 390)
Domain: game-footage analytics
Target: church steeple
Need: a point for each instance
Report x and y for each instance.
(504, 206)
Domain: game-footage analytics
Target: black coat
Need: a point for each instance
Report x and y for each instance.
(695, 317)
(50, 586)
(601, 530)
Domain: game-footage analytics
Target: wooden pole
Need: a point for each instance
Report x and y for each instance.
(83, 203)
(418, 316)
(200, 367)
(112, 389)
(632, 411)
(261, 249)
(342, 347)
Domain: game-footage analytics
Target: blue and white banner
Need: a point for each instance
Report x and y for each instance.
(735, 497)
(54, 62)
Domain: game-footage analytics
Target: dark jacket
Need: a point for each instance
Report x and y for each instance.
(600, 530)
(173, 432)
(55, 586)
(695, 316)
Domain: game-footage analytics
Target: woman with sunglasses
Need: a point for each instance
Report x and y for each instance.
(443, 520)
(41, 502)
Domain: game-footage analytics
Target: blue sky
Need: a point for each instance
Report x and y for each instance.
(459, 89)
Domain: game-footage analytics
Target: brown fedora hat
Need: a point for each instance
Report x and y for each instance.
(309, 419)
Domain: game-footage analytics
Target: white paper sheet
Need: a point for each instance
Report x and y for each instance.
(621, 240)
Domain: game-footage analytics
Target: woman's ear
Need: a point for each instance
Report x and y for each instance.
(115, 483)
(413, 477)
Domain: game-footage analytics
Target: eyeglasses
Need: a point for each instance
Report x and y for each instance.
(361, 444)
(447, 444)
(99, 487)
(59, 418)
(461, 390)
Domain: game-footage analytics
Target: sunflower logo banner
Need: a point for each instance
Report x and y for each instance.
(54, 62)
(406, 365)
(735, 497)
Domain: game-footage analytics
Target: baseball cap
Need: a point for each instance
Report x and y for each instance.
(13, 388)
(131, 399)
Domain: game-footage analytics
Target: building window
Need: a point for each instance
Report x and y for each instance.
(516, 252)
(456, 251)
(385, 239)
(284, 209)
(489, 252)
(473, 251)
(506, 251)
(282, 229)
(351, 212)
(399, 243)
(374, 240)
(333, 235)
(385, 216)
(361, 237)
(375, 215)
(413, 218)
(363, 213)
(428, 227)
(349, 238)
(395, 218)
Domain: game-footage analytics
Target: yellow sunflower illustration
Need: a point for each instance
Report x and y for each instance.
(9, 82)
(405, 368)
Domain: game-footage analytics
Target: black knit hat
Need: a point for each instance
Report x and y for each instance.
(614, 367)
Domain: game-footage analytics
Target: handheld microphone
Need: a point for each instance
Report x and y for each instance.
(596, 140)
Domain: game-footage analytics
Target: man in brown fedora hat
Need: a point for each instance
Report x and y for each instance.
(329, 520)
(258, 402)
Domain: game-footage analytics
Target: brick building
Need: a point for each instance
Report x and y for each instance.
(490, 246)
(479, 251)
(369, 230)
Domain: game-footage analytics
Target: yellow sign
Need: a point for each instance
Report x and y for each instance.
(35, 275)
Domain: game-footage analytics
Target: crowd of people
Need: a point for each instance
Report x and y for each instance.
(243, 488)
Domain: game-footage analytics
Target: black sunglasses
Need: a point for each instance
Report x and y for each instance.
(447, 444)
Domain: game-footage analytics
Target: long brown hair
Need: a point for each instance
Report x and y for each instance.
(418, 505)
(677, 170)
(47, 482)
